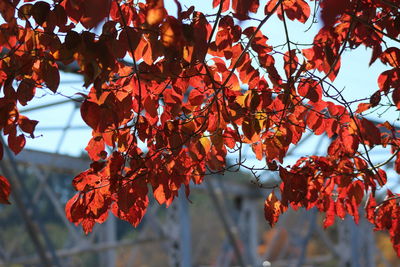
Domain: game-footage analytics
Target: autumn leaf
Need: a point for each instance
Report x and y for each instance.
(363, 107)
(272, 209)
(310, 89)
(156, 12)
(27, 125)
(50, 74)
(370, 132)
(95, 148)
(331, 9)
(7, 10)
(16, 143)
(391, 56)
(5, 190)
(375, 99)
(40, 11)
(225, 4)
(26, 91)
(396, 97)
(196, 98)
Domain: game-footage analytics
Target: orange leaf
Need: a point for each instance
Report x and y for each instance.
(156, 12)
(257, 149)
(272, 209)
(95, 148)
(391, 56)
(363, 107)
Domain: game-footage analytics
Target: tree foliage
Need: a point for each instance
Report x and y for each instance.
(173, 94)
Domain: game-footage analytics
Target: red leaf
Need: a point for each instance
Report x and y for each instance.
(272, 209)
(72, 40)
(87, 225)
(257, 149)
(375, 99)
(196, 98)
(7, 10)
(300, 10)
(247, 128)
(95, 148)
(370, 132)
(370, 208)
(40, 12)
(98, 117)
(389, 79)
(50, 75)
(5, 190)
(94, 11)
(86, 180)
(90, 112)
(72, 213)
(151, 106)
(391, 56)
(332, 127)
(316, 122)
(156, 12)
(16, 143)
(330, 214)
(349, 141)
(26, 91)
(132, 201)
(294, 9)
(310, 89)
(381, 177)
(243, 7)
(225, 4)
(363, 107)
(331, 9)
(27, 125)
(136, 212)
(163, 194)
(230, 138)
(396, 97)
(1, 150)
(339, 207)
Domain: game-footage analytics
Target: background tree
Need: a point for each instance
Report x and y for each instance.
(173, 94)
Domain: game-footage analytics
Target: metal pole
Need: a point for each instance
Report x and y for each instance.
(306, 239)
(110, 237)
(184, 223)
(229, 232)
(355, 242)
(19, 188)
(26, 216)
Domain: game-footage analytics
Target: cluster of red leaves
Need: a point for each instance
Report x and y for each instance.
(173, 115)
